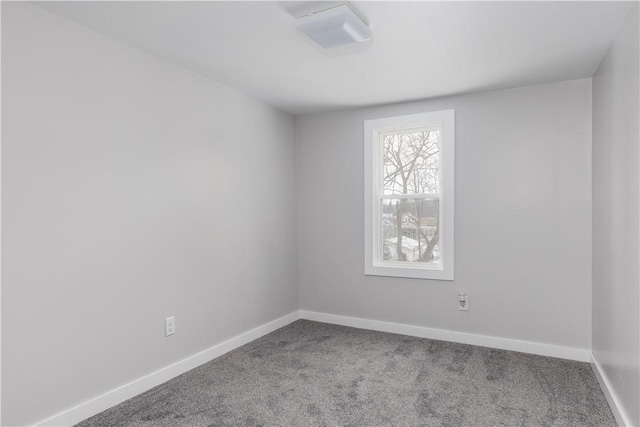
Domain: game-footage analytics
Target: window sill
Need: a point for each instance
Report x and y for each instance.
(409, 272)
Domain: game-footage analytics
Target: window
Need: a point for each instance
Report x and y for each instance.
(409, 164)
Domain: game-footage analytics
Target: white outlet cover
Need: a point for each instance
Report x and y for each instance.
(466, 305)
(169, 326)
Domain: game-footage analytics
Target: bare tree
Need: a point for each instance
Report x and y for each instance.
(411, 167)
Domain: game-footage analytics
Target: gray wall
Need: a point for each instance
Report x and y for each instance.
(132, 190)
(522, 219)
(616, 175)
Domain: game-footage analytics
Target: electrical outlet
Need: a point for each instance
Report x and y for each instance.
(463, 302)
(169, 326)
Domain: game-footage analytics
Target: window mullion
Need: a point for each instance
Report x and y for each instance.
(411, 196)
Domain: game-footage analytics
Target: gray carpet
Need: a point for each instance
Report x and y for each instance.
(311, 373)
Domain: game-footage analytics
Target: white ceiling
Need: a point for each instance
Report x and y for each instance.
(419, 49)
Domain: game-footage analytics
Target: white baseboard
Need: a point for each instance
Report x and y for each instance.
(118, 395)
(609, 392)
(572, 353)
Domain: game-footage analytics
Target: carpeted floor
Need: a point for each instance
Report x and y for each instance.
(310, 373)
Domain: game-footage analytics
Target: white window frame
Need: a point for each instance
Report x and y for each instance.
(373, 130)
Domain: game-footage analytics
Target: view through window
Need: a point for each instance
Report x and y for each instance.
(410, 202)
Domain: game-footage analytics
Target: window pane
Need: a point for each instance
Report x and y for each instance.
(410, 230)
(411, 162)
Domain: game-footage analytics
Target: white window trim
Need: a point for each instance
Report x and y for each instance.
(372, 128)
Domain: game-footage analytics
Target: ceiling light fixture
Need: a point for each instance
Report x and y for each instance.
(334, 27)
